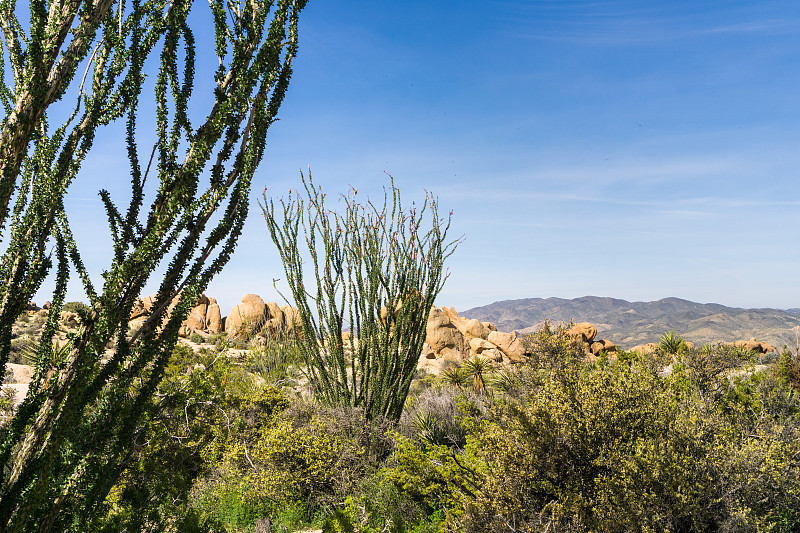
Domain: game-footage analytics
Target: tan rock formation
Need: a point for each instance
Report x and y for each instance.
(275, 313)
(509, 344)
(69, 319)
(474, 329)
(214, 322)
(196, 319)
(142, 306)
(602, 344)
(585, 331)
(454, 339)
(427, 352)
(645, 349)
(450, 353)
(246, 318)
(478, 346)
(291, 319)
(441, 334)
(753, 345)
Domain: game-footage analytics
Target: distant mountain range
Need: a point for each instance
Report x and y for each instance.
(631, 323)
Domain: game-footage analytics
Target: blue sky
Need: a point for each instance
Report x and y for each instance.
(630, 149)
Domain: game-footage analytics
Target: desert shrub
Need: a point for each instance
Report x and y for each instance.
(296, 469)
(433, 476)
(369, 441)
(550, 347)
(710, 365)
(433, 417)
(770, 358)
(280, 469)
(789, 368)
(76, 307)
(517, 382)
(217, 339)
(618, 448)
(196, 338)
(422, 381)
(379, 506)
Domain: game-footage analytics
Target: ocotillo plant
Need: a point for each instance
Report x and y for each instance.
(375, 270)
(38, 164)
(73, 435)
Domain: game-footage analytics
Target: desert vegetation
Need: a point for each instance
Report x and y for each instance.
(328, 424)
(682, 439)
(364, 301)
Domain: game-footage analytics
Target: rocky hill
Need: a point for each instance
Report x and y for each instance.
(631, 323)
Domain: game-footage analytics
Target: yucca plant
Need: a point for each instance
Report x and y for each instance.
(504, 381)
(45, 359)
(429, 427)
(477, 367)
(455, 376)
(671, 344)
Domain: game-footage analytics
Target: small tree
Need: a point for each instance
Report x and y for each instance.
(377, 274)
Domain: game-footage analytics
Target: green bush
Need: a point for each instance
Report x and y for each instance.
(429, 475)
(296, 468)
(550, 347)
(206, 403)
(379, 507)
(618, 448)
(76, 307)
(789, 369)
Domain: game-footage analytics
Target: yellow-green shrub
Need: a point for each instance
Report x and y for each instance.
(618, 448)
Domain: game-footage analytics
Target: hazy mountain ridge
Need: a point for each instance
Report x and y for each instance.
(631, 323)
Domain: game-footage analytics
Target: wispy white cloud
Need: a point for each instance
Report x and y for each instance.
(630, 23)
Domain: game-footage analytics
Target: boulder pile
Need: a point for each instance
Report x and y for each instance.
(249, 318)
(584, 334)
(753, 346)
(253, 316)
(452, 338)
